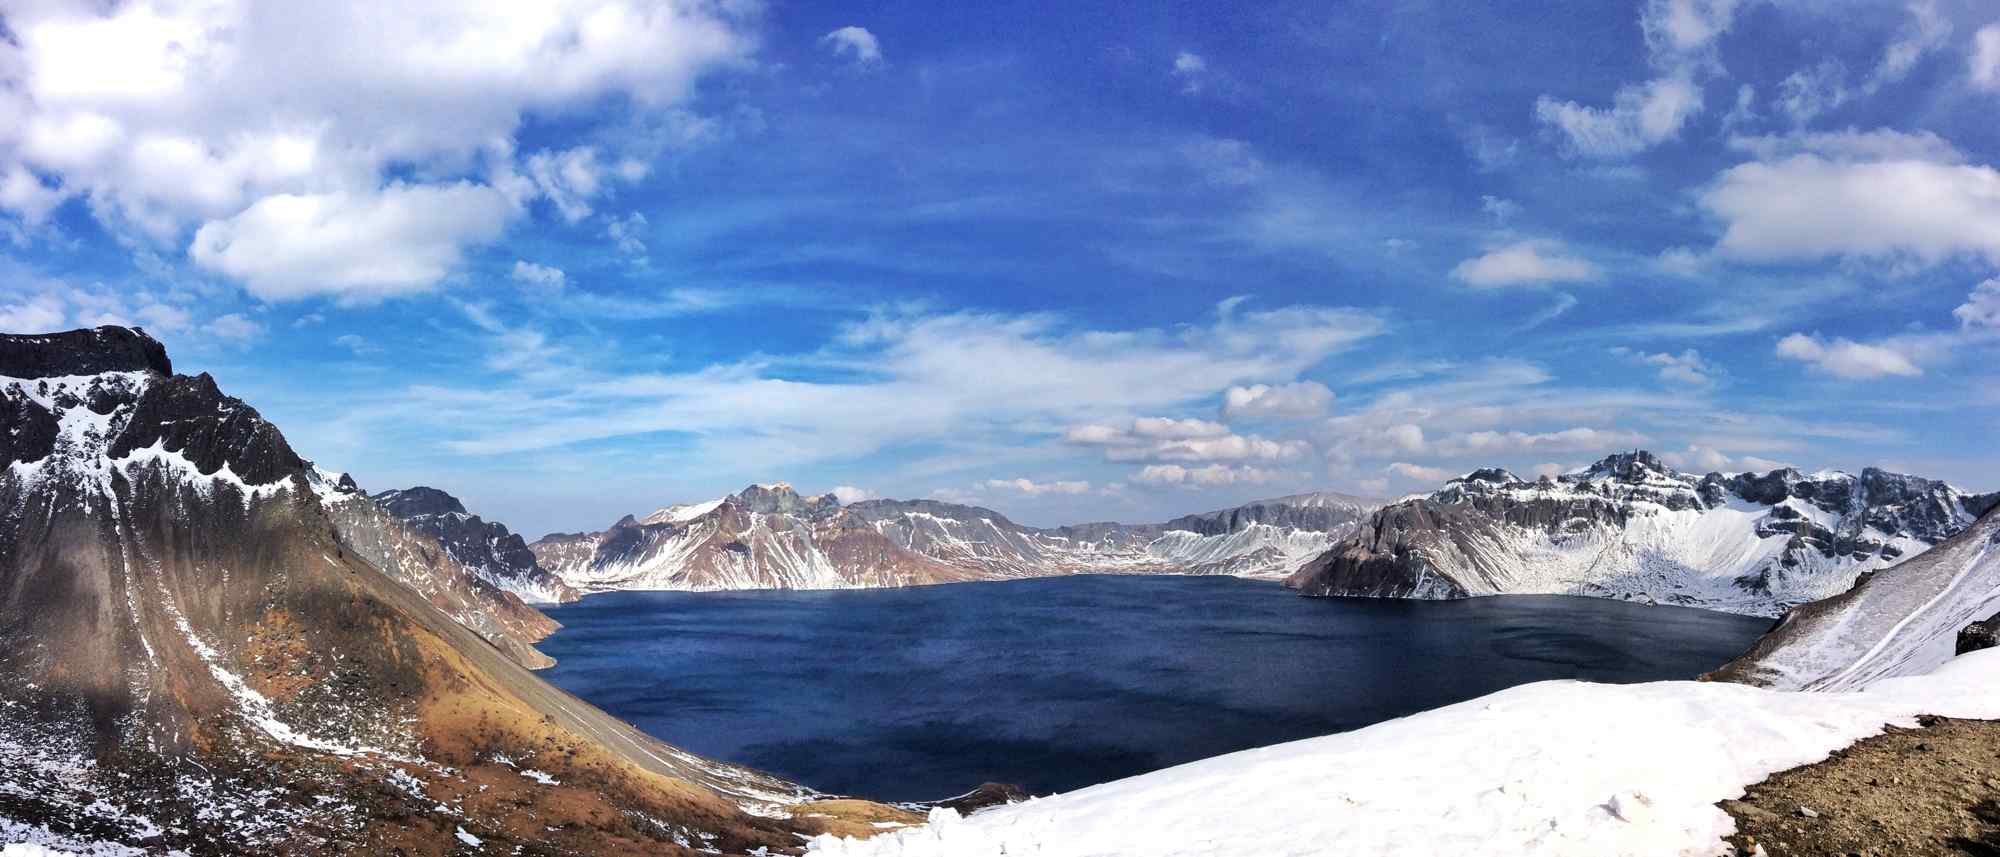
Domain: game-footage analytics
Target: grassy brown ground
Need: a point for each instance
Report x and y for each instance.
(1933, 790)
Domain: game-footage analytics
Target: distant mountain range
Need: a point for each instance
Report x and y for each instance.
(1630, 527)
(770, 536)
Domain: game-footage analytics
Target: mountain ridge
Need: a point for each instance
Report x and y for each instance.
(794, 541)
(1631, 527)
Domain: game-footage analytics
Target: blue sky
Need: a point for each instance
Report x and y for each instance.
(1096, 261)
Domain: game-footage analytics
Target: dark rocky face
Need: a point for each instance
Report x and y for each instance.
(780, 499)
(82, 352)
(412, 502)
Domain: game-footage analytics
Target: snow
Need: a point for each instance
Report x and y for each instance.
(1560, 769)
(468, 838)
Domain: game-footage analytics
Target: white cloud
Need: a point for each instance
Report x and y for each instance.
(1165, 439)
(1032, 488)
(356, 343)
(1640, 117)
(571, 178)
(1880, 144)
(167, 117)
(950, 380)
(1809, 92)
(1418, 472)
(34, 314)
(1292, 401)
(358, 245)
(1926, 31)
(847, 494)
(1225, 162)
(540, 276)
(854, 42)
(1681, 262)
(1680, 41)
(1201, 477)
(1687, 368)
(1983, 66)
(628, 234)
(1191, 69)
(1525, 263)
(1981, 310)
(1807, 208)
(1845, 358)
(1500, 209)
(234, 327)
(1708, 459)
(1494, 443)
(55, 305)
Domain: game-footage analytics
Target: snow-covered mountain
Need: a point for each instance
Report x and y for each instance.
(1900, 621)
(770, 536)
(1630, 527)
(198, 655)
(486, 548)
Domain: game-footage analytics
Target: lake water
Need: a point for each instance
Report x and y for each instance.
(1055, 684)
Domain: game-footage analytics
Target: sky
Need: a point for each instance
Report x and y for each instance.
(1079, 261)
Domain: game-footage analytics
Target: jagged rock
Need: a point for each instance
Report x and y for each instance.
(1983, 634)
(486, 548)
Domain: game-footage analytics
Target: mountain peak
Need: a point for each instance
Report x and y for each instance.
(419, 500)
(1629, 465)
(781, 498)
(89, 351)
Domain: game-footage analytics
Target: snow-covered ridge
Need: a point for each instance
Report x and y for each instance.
(487, 549)
(1900, 621)
(1586, 770)
(770, 536)
(1630, 527)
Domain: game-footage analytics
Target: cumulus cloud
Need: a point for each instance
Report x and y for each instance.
(1640, 116)
(544, 277)
(234, 327)
(1032, 488)
(1809, 207)
(1165, 439)
(1680, 41)
(855, 43)
(1809, 92)
(849, 494)
(54, 305)
(1201, 477)
(570, 179)
(1525, 263)
(1708, 459)
(1927, 30)
(1297, 400)
(358, 245)
(1981, 310)
(1845, 358)
(1418, 472)
(1687, 368)
(1984, 65)
(235, 121)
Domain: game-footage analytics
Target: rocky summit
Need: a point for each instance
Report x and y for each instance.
(487, 548)
(1631, 527)
(208, 645)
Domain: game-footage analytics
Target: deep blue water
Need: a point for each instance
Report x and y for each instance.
(1061, 683)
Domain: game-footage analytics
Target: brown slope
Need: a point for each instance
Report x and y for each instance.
(191, 657)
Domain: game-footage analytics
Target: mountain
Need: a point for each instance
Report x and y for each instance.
(770, 536)
(487, 548)
(197, 655)
(1900, 621)
(1631, 527)
(418, 560)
